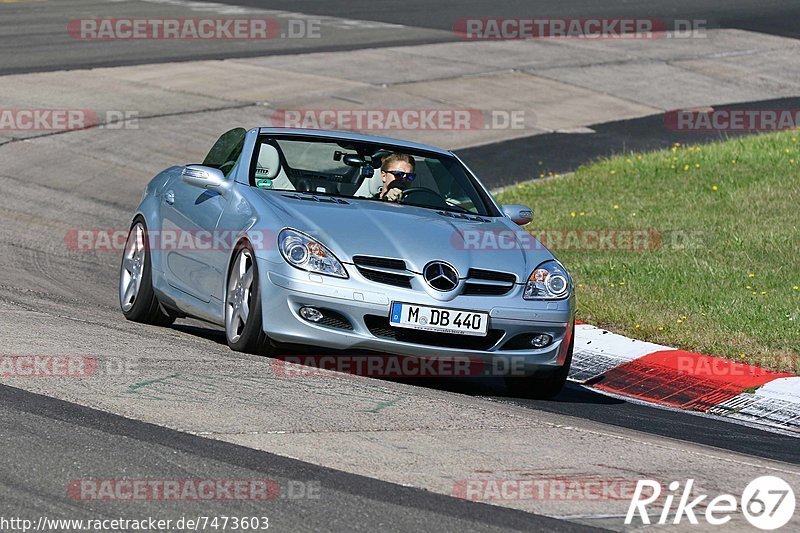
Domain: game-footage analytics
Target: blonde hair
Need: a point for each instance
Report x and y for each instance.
(395, 157)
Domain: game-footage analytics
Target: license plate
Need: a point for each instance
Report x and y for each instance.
(439, 320)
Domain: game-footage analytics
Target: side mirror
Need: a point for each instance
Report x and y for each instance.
(205, 178)
(520, 214)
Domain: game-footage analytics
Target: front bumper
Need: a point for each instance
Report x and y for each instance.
(365, 306)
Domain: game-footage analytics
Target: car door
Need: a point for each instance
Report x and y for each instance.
(195, 254)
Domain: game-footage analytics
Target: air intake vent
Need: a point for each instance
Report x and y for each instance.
(488, 283)
(384, 270)
(463, 216)
(313, 198)
(382, 262)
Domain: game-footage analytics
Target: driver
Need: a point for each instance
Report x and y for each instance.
(397, 173)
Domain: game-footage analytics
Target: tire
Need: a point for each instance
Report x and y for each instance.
(137, 299)
(543, 385)
(243, 317)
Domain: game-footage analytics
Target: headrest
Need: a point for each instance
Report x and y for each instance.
(269, 162)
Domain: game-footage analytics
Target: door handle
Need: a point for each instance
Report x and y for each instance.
(169, 197)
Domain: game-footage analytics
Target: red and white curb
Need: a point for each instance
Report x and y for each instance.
(685, 380)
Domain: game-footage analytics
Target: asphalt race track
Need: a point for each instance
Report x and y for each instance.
(58, 436)
(176, 403)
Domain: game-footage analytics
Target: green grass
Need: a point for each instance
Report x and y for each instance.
(724, 279)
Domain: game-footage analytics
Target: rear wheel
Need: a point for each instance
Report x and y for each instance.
(544, 384)
(137, 299)
(243, 319)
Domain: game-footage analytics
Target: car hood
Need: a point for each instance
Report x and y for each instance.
(350, 227)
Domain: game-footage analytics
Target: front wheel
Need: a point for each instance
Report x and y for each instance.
(137, 299)
(542, 385)
(243, 319)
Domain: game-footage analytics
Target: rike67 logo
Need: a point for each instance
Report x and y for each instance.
(767, 502)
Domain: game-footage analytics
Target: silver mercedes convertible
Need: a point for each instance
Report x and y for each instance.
(294, 238)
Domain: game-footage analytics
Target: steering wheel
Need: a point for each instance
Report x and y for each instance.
(424, 193)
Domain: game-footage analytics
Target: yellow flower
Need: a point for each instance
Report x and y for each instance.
(714, 188)
(628, 161)
(685, 167)
(622, 283)
(674, 158)
(763, 292)
(749, 287)
(677, 144)
(786, 150)
(791, 161)
(751, 275)
(742, 356)
(733, 161)
(613, 172)
(754, 292)
(673, 167)
(660, 328)
(637, 326)
(572, 214)
(794, 139)
(697, 165)
(680, 321)
(581, 213)
(796, 288)
(638, 158)
(683, 317)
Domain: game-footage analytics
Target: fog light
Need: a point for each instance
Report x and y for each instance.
(311, 314)
(541, 340)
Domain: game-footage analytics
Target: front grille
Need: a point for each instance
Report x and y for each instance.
(384, 270)
(379, 326)
(488, 283)
(381, 262)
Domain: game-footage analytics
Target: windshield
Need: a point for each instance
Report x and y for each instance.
(351, 169)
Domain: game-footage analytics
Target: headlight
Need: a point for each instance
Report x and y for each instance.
(303, 252)
(550, 281)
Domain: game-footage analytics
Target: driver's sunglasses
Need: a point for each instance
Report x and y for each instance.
(399, 174)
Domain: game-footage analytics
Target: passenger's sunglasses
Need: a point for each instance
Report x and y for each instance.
(399, 174)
